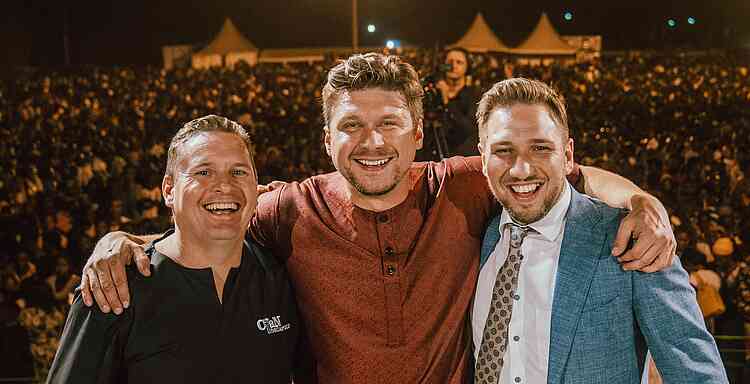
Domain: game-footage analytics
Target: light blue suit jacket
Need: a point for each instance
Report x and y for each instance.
(604, 319)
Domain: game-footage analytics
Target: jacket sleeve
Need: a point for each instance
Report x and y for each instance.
(670, 319)
(91, 347)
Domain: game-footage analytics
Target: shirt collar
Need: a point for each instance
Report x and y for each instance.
(550, 226)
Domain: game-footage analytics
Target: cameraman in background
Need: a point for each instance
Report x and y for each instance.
(450, 106)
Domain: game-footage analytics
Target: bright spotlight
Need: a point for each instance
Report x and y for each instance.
(671, 23)
(691, 20)
(371, 28)
(390, 44)
(568, 16)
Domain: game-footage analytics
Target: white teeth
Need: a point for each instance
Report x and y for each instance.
(221, 206)
(373, 163)
(526, 188)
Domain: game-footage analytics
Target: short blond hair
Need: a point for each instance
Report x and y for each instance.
(520, 90)
(210, 123)
(374, 70)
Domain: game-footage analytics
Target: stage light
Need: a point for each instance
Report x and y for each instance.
(568, 16)
(671, 23)
(390, 44)
(371, 28)
(691, 20)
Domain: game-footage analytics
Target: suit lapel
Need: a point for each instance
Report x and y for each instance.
(489, 242)
(579, 256)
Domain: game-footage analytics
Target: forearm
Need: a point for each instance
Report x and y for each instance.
(111, 239)
(611, 188)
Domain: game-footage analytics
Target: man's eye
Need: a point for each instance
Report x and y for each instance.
(202, 172)
(239, 172)
(502, 151)
(390, 123)
(541, 148)
(350, 126)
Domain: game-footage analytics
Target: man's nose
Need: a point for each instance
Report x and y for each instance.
(521, 168)
(223, 183)
(374, 138)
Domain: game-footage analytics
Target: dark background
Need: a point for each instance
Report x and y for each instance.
(132, 32)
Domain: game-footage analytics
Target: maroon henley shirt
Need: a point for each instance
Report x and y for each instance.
(384, 295)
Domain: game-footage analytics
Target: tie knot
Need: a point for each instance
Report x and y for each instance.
(517, 234)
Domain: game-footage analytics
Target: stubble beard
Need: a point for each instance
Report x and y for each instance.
(363, 189)
(527, 216)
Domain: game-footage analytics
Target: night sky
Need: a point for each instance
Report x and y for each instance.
(132, 32)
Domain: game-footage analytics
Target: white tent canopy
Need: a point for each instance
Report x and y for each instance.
(227, 48)
(480, 38)
(544, 40)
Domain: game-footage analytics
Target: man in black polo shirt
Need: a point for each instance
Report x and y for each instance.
(216, 309)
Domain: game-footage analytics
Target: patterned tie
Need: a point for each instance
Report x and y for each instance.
(495, 338)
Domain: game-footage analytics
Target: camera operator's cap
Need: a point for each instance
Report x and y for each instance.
(723, 247)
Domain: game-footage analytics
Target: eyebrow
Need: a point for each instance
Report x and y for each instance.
(210, 164)
(533, 141)
(392, 116)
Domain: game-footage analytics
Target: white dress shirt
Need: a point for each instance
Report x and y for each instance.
(527, 356)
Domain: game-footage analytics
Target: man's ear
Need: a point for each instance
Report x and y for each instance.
(167, 190)
(569, 156)
(419, 133)
(327, 140)
(484, 158)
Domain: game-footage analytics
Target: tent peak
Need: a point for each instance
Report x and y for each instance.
(544, 39)
(480, 38)
(228, 40)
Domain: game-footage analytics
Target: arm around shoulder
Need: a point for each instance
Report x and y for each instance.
(609, 187)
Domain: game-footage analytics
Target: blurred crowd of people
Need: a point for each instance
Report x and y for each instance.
(82, 152)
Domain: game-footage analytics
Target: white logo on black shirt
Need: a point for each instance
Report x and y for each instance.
(272, 325)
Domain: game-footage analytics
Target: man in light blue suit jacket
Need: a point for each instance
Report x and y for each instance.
(604, 319)
(591, 321)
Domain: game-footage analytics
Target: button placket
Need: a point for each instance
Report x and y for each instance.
(390, 266)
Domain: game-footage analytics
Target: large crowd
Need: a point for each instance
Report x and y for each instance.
(82, 153)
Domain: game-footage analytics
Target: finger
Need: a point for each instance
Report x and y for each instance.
(121, 281)
(142, 261)
(85, 292)
(660, 263)
(664, 258)
(107, 285)
(96, 289)
(652, 268)
(262, 189)
(624, 233)
(639, 248)
(646, 259)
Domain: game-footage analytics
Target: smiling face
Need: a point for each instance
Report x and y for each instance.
(372, 139)
(213, 189)
(525, 158)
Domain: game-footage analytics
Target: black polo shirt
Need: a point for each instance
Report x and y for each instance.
(177, 331)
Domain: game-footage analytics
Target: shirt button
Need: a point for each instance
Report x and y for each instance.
(383, 218)
(388, 251)
(516, 338)
(517, 379)
(390, 270)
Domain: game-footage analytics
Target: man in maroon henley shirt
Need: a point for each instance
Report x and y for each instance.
(384, 253)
